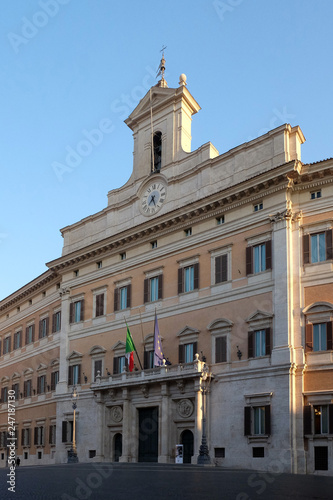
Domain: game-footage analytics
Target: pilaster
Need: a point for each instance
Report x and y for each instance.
(62, 387)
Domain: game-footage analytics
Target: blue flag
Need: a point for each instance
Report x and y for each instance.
(158, 354)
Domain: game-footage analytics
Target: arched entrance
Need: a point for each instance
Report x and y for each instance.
(118, 446)
(187, 440)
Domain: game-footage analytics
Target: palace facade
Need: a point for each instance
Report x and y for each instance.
(233, 252)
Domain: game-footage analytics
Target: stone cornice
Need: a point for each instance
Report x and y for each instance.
(37, 284)
(245, 192)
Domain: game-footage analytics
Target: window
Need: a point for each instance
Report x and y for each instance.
(153, 244)
(17, 340)
(76, 311)
(318, 337)
(148, 359)
(39, 436)
(27, 389)
(258, 206)
(43, 328)
(4, 394)
(318, 419)
(321, 419)
(123, 256)
(52, 434)
(221, 268)
(76, 273)
(119, 362)
(259, 257)
(315, 194)
(188, 231)
(221, 349)
(74, 375)
(99, 304)
(97, 368)
(321, 457)
(257, 420)
(187, 352)
(258, 452)
(153, 288)
(157, 156)
(6, 345)
(67, 431)
(122, 298)
(41, 384)
(259, 343)
(317, 247)
(99, 264)
(54, 380)
(30, 334)
(188, 278)
(56, 322)
(26, 436)
(220, 220)
(219, 452)
(16, 389)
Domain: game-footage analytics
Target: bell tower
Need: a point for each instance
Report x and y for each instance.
(161, 125)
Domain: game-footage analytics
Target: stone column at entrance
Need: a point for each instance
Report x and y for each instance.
(125, 457)
(164, 426)
(197, 423)
(100, 418)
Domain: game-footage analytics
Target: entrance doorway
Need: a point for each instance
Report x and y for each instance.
(187, 442)
(118, 446)
(148, 434)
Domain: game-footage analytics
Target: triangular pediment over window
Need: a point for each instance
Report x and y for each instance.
(119, 345)
(187, 331)
(15, 375)
(75, 355)
(259, 315)
(41, 366)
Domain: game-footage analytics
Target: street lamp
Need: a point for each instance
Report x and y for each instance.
(72, 454)
(204, 458)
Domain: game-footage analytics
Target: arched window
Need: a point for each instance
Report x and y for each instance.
(157, 144)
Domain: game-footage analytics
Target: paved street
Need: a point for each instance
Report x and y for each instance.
(157, 481)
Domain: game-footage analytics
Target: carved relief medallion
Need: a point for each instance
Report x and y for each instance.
(117, 413)
(185, 408)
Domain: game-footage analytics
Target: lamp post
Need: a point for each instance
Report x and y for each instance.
(204, 458)
(72, 455)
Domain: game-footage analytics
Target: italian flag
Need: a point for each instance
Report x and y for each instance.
(130, 348)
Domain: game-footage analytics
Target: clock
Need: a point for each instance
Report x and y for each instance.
(153, 198)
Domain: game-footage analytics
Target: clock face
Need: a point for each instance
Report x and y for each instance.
(153, 198)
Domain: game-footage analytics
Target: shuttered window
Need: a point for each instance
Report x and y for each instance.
(317, 247)
(259, 343)
(257, 420)
(74, 375)
(259, 258)
(56, 322)
(318, 337)
(43, 328)
(76, 311)
(99, 304)
(221, 349)
(221, 268)
(187, 352)
(188, 278)
(152, 289)
(122, 297)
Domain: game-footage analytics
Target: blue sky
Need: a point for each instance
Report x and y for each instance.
(71, 66)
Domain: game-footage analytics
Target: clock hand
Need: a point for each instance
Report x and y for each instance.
(152, 199)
